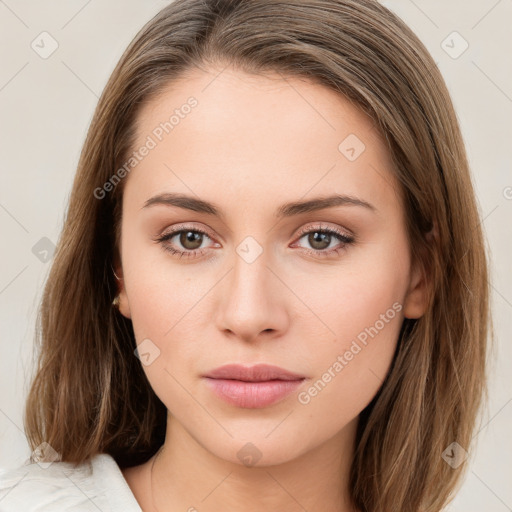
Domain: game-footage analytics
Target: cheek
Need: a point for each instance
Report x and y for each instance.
(362, 307)
(160, 291)
(164, 323)
(365, 290)
(168, 316)
(348, 372)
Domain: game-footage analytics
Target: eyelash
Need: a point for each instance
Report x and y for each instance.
(344, 239)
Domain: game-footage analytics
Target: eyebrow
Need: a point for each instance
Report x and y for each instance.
(286, 210)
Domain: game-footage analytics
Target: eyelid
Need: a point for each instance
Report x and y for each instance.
(323, 226)
(303, 230)
(176, 228)
(346, 237)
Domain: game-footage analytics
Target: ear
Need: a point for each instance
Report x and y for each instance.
(415, 303)
(124, 305)
(416, 299)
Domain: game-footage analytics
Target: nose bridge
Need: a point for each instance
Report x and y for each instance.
(252, 301)
(249, 284)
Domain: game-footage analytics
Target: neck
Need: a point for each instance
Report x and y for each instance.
(183, 475)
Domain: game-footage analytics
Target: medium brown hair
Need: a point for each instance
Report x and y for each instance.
(90, 395)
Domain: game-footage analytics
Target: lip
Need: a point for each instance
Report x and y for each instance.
(252, 387)
(255, 373)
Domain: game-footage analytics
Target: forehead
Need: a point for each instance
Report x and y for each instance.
(258, 134)
(230, 99)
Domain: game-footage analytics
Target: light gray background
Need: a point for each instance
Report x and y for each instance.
(46, 106)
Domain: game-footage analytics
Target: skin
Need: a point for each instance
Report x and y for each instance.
(251, 144)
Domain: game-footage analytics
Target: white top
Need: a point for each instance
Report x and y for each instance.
(97, 485)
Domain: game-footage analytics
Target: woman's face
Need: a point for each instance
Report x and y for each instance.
(266, 272)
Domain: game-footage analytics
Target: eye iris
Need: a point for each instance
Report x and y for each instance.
(315, 238)
(192, 237)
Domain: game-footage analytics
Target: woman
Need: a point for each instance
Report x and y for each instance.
(271, 289)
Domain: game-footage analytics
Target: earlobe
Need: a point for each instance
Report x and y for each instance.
(418, 295)
(417, 298)
(121, 299)
(124, 306)
(415, 303)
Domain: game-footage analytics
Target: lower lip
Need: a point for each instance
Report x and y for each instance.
(252, 395)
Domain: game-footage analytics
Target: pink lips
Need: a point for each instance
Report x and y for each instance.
(252, 387)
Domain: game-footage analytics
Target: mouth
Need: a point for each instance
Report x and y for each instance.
(252, 387)
(256, 373)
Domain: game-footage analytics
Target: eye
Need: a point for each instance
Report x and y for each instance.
(183, 241)
(321, 238)
(189, 239)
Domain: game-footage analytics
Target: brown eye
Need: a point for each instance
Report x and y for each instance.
(191, 240)
(319, 240)
(185, 242)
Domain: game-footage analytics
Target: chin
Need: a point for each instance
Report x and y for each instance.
(257, 450)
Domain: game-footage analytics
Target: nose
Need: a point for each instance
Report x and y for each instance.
(253, 301)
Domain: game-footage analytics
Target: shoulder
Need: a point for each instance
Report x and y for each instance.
(97, 484)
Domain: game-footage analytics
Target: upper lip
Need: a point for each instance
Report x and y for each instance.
(256, 373)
